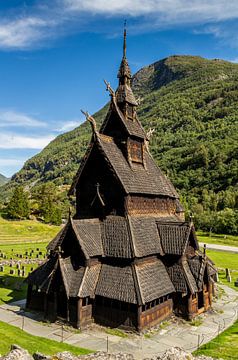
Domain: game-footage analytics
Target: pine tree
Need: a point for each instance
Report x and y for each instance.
(18, 207)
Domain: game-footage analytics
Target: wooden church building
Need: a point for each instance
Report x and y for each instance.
(127, 258)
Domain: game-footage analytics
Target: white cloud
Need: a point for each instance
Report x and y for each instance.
(172, 11)
(47, 22)
(69, 125)
(15, 141)
(25, 31)
(10, 118)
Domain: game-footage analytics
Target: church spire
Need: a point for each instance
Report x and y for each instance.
(124, 94)
(124, 73)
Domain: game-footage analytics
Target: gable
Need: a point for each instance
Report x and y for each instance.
(98, 180)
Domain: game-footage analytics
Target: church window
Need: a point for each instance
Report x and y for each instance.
(136, 151)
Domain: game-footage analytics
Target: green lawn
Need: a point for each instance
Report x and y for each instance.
(224, 346)
(220, 239)
(25, 230)
(12, 335)
(223, 260)
(12, 287)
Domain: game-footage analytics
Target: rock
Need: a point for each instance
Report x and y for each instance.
(176, 353)
(39, 356)
(17, 353)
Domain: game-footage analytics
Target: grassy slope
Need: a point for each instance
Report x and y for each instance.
(225, 346)
(12, 335)
(25, 230)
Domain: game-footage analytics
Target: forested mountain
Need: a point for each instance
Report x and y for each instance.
(3, 179)
(191, 103)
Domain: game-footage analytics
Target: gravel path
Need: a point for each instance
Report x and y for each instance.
(218, 247)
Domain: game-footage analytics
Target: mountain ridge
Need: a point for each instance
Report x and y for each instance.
(3, 180)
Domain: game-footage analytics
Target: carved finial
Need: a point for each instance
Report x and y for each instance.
(91, 120)
(59, 251)
(204, 249)
(124, 42)
(109, 88)
(139, 100)
(191, 217)
(69, 212)
(150, 133)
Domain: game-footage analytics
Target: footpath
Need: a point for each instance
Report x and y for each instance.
(218, 247)
(173, 333)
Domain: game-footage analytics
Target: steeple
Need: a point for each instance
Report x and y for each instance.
(124, 95)
(124, 73)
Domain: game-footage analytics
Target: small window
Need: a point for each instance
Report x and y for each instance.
(136, 151)
(130, 112)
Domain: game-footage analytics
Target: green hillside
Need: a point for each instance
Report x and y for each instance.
(3, 180)
(191, 103)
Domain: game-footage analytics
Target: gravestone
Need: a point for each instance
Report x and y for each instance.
(228, 275)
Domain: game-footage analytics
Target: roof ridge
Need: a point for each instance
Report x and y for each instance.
(79, 239)
(83, 279)
(140, 297)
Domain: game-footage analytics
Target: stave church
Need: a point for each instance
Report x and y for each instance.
(127, 258)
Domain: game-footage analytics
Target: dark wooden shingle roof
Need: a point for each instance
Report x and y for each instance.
(89, 234)
(133, 128)
(136, 179)
(42, 275)
(145, 236)
(174, 237)
(115, 237)
(153, 280)
(117, 283)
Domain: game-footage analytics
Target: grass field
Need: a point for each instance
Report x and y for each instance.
(12, 335)
(222, 261)
(220, 239)
(12, 287)
(25, 231)
(224, 346)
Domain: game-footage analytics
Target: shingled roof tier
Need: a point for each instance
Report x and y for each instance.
(132, 127)
(174, 237)
(133, 236)
(117, 283)
(153, 280)
(136, 179)
(182, 277)
(41, 276)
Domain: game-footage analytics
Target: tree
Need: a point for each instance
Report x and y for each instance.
(18, 206)
(49, 203)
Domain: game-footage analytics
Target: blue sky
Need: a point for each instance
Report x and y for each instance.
(55, 54)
